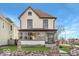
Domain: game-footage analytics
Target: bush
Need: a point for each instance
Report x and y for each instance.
(60, 46)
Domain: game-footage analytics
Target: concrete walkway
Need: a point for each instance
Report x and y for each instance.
(69, 45)
(61, 51)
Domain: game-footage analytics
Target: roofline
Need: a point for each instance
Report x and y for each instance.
(45, 17)
(24, 11)
(4, 19)
(36, 14)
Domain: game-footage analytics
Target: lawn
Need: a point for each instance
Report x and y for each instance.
(27, 48)
(64, 48)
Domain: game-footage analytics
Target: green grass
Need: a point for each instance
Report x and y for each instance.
(27, 48)
(12, 48)
(36, 49)
(65, 48)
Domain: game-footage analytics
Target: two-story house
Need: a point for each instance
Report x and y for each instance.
(8, 30)
(37, 26)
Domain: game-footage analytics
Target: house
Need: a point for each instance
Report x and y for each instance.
(36, 25)
(73, 40)
(8, 30)
(62, 42)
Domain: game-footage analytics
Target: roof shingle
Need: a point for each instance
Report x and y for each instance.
(42, 14)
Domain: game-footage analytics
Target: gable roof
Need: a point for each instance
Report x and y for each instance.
(8, 19)
(39, 13)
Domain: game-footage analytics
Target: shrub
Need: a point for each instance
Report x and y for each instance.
(60, 46)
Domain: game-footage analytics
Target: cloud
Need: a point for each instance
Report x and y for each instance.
(66, 32)
(69, 34)
(71, 29)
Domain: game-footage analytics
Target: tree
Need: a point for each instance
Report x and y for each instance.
(60, 29)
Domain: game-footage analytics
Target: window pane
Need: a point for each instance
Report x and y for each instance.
(45, 24)
(29, 13)
(29, 23)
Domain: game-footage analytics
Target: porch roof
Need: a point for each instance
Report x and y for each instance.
(47, 30)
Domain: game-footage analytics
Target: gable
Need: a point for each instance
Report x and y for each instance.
(40, 14)
(26, 16)
(29, 9)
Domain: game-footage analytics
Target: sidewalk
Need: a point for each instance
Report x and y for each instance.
(61, 51)
(69, 45)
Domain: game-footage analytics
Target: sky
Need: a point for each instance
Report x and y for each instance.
(67, 15)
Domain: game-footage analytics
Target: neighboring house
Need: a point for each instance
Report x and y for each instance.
(62, 42)
(8, 30)
(36, 25)
(73, 40)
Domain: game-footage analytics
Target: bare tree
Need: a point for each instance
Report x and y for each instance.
(55, 50)
(60, 30)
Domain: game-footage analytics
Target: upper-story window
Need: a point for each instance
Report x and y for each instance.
(11, 27)
(30, 13)
(29, 24)
(45, 24)
(0, 25)
(3, 24)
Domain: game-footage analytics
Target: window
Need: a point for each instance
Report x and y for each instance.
(25, 37)
(3, 25)
(29, 13)
(45, 24)
(29, 23)
(26, 34)
(21, 33)
(0, 25)
(11, 27)
(30, 36)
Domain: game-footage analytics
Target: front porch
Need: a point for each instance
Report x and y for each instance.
(46, 35)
